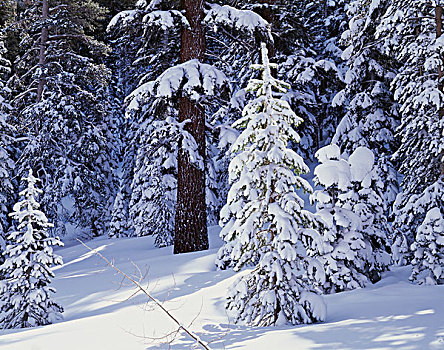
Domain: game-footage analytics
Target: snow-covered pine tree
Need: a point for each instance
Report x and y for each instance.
(428, 249)
(264, 218)
(341, 239)
(153, 28)
(417, 205)
(371, 114)
(118, 226)
(10, 30)
(411, 32)
(7, 163)
(368, 204)
(26, 299)
(316, 70)
(64, 109)
(353, 243)
(155, 107)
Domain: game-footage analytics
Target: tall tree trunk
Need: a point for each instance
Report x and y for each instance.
(43, 42)
(438, 18)
(191, 217)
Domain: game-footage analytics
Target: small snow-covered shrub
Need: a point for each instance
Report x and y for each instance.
(353, 244)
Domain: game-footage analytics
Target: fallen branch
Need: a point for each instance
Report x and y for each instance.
(144, 291)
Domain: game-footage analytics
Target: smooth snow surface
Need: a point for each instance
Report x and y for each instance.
(393, 314)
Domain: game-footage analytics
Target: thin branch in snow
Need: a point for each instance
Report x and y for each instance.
(191, 334)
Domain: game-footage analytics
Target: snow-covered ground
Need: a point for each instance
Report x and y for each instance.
(393, 314)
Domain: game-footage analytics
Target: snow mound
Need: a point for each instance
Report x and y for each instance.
(361, 163)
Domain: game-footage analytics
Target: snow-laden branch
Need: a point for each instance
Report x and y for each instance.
(165, 19)
(240, 20)
(191, 79)
(123, 19)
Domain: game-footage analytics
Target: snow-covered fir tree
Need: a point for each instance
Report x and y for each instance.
(64, 110)
(7, 163)
(263, 219)
(368, 204)
(316, 68)
(154, 106)
(428, 249)
(146, 40)
(154, 185)
(371, 114)
(118, 226)
(26, 299)
(410, 34)
(417, 205)
(353, 244)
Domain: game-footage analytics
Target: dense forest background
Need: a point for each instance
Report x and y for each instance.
(126, 111)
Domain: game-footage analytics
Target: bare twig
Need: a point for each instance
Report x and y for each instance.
(193, 336)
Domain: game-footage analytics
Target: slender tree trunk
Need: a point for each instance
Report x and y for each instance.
(191, 217)
(438, 19)
(42, 57)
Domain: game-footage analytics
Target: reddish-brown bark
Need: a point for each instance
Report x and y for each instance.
(191, 219)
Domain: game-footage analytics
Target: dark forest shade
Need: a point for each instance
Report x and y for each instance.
(191, 218)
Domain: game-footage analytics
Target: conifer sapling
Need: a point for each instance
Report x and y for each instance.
(25, 292)
(263, 219)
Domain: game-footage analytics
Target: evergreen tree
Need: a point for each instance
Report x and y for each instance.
(64, 108)
(7, 148)
(353, 244)
(411, 33)
(153, 30)
(160, 136)
(9, 33)
(25, 299)
(371, 114)
(263, 219)
(319, 68)
(368, 204)
(418, 205)
(118, 226)
(428, 249)
(154, 186)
